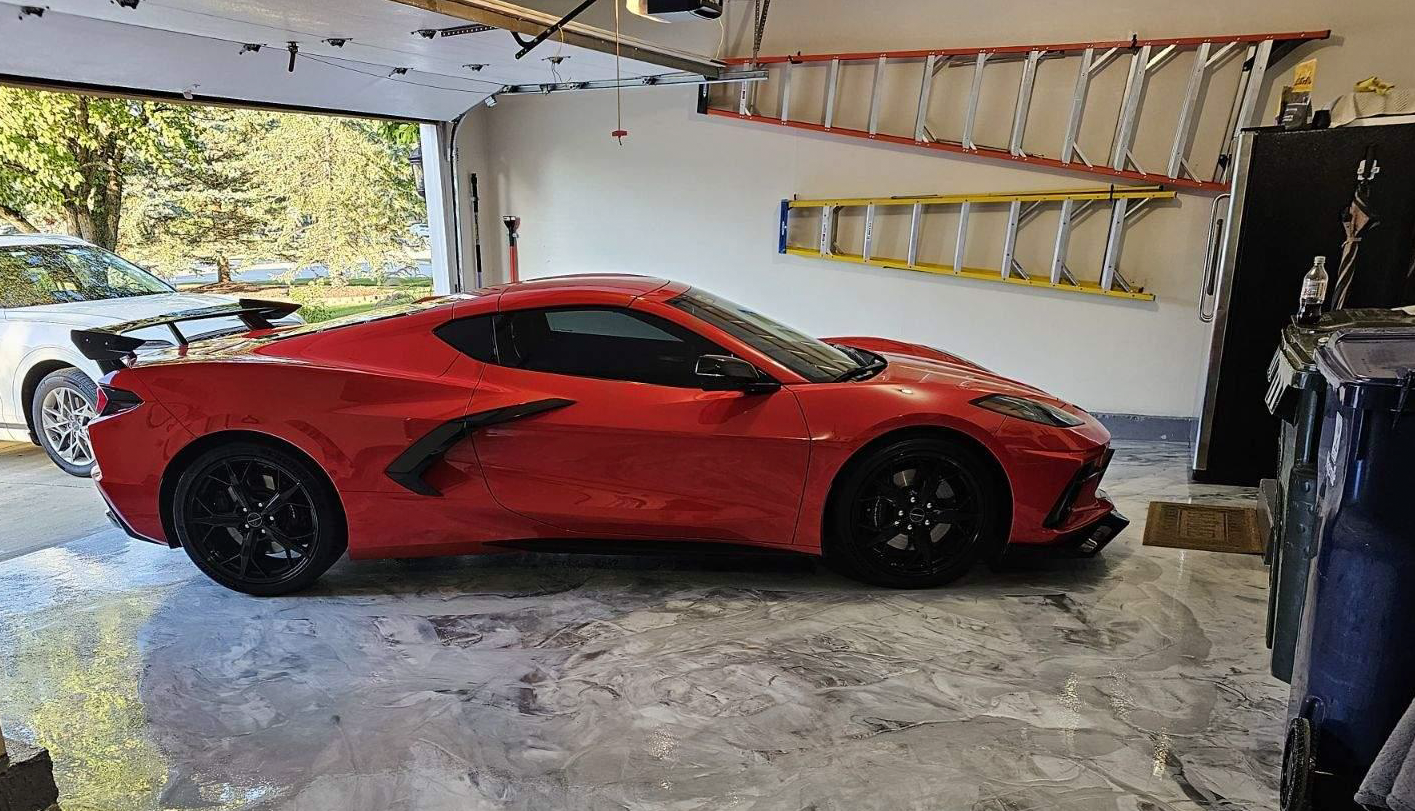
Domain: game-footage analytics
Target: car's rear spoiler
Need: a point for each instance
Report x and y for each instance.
(110, 347)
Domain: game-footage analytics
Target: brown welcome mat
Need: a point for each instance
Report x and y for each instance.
(1204, 526)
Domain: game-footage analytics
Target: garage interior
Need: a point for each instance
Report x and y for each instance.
(1100, 199)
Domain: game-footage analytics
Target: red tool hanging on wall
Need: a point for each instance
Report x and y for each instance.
(514, 266)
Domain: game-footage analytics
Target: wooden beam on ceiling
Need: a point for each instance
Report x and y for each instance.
(528, 22)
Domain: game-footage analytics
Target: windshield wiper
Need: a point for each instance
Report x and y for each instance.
(870, 365)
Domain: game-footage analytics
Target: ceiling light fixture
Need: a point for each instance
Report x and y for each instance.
(426, 33)
(251, 47)
(336, 42)
(397, 72)
(474, 67)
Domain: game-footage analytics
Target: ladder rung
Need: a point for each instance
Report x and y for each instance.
(976, 90)
(874, 96)
(925, 85)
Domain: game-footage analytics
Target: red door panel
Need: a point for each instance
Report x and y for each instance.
(634, 459)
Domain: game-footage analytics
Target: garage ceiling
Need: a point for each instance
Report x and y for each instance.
(195, 46)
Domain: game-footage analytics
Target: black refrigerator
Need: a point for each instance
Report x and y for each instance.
(1289, 192)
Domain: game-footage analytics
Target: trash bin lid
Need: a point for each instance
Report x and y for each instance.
(1376, 361)
(1294, 364)
(1300, 342)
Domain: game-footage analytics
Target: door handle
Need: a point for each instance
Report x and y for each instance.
(1208, 286)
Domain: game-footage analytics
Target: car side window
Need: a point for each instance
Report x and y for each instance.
(471, 336)
(601, 342)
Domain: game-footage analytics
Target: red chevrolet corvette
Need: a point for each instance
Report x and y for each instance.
(586, 413)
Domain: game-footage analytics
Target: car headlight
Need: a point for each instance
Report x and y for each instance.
(1025, 408)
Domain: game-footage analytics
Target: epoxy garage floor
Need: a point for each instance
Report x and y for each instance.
(1134, 681)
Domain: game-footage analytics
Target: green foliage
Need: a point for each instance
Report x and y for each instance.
(404, 134)
(176, 185)
(210, 209)
(64, 159)
(344, 192)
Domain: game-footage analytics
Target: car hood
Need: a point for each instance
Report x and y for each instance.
(923, 367)
(106, 312)
(913, 370)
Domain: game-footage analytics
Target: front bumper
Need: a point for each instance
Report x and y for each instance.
(1089, 540)
(1084, 542)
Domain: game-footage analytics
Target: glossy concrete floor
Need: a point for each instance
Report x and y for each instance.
(1134, 681)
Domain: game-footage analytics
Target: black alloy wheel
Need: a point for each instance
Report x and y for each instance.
(257, 519)
(915, 513)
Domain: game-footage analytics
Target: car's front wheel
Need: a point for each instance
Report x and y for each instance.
(63, 405)
(915, 513)
(258, 519)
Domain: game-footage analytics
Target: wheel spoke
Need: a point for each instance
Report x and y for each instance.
(953, 516)
(278, 501)
(223, 520)
(288, 541)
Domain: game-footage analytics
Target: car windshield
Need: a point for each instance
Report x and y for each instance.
(814, 360)
(57, 273)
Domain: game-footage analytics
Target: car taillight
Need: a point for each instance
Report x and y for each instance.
(112, 400)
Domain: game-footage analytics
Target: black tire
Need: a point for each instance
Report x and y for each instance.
(258, 519)
(61, 408)
(1295, 791)
(915, 513)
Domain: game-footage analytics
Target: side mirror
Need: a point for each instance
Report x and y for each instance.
(725, 373)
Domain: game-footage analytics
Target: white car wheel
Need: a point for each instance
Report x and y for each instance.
(64, 405)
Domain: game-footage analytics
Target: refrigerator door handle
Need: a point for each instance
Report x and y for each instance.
(1208, 287)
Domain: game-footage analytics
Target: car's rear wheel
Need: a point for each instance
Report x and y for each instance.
(64, 403)
(258, 519)
(915, 513)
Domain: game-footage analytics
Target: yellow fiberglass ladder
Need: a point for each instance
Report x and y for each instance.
(1125, 205)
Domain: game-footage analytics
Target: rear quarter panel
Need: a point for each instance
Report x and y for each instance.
(352, 399)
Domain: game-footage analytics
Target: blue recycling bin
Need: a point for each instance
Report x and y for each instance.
(1296, 391)
(1354, 667)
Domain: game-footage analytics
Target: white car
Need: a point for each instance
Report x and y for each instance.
(49, 286)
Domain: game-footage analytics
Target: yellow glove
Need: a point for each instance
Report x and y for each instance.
(1374, 85)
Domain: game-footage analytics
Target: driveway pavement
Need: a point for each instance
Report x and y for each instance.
(41, 505)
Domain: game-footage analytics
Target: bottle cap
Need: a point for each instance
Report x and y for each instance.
(1320, 261)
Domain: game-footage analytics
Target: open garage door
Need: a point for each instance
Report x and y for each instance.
(419, 60)
(365, 57)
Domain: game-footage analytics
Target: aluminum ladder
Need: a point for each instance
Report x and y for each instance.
(1085, 59)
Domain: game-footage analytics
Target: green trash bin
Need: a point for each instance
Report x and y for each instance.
(1296, 394)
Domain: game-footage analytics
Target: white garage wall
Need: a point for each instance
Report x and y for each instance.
(694, 198)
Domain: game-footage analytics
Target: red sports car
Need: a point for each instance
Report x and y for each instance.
(586, 413)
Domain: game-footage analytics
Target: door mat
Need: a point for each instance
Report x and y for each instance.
(1205, 527)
